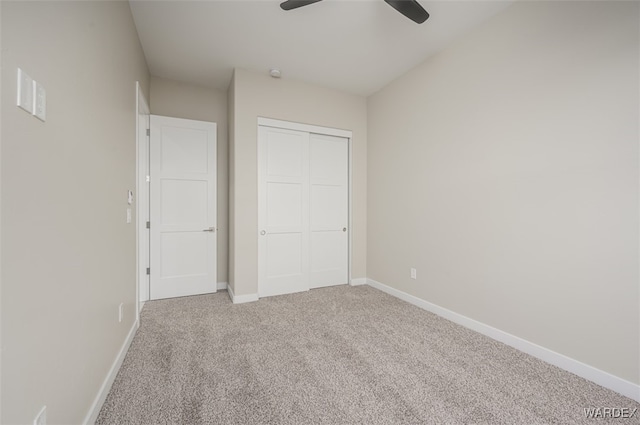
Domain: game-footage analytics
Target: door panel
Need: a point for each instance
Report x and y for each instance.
(329, 186)
(183, 207)
(283, 251)
(184, 202)
(184, 150)
(284, 207)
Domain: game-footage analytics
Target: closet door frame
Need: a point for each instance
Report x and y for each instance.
(347, 134)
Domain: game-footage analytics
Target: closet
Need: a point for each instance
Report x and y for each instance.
(303, 207)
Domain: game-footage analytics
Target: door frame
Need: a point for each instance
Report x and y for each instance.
(142, 198)
(329, 131)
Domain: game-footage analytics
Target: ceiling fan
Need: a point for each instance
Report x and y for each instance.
(409, 8)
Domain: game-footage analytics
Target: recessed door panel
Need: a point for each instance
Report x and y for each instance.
(284, 207)
(184, 202)
(328, 204)
(183, 254)
(284, 154)
(284, 257)
(326, 158)
(325, 260)
(184, 150)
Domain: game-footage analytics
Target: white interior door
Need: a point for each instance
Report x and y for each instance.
(303, 210)
(283, 203)
(183, 207)
(329, 210)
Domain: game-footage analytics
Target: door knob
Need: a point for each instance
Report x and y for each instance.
(344, 229)
(264, 232)
(210, 229)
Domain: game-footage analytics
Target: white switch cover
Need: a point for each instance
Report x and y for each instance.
(39, 101)
(128, 215)
(25, 91)
(413, 273)
(120, 311)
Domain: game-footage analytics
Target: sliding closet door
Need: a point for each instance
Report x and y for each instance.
(303, 210)
(283, 205)
(329, 210)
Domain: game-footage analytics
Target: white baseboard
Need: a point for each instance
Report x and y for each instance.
(600, 377)
(94, 411)
(358, 281)
(222, 286)
(240, 299)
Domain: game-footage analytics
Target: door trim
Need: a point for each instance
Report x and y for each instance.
(309, 128)
(142, 198)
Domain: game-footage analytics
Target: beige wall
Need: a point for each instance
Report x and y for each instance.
(182, 100)
(505, 169)
(258, 95)
(68, 256)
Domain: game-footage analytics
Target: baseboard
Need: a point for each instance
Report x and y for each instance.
(358, 281)
(600, 377)
(222, 286)
(92, 415)
(241, 299)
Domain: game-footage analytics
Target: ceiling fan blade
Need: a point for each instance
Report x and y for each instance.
(409, 8)
(294, 4)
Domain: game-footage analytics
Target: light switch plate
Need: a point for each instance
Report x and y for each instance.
(25, 91)
(39, 101)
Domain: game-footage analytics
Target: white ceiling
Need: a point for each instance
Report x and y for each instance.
(357, 46)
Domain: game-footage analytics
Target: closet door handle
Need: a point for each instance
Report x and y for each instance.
(210, 229)
(264, 232)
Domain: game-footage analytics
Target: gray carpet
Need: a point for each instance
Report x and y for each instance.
(338, 355)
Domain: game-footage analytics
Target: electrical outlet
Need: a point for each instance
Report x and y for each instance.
(41, 418)
(413, 273)
(120, 309)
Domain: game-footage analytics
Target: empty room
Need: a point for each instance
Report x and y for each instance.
(319, 212)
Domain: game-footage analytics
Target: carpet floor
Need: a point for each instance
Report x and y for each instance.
(340, 355)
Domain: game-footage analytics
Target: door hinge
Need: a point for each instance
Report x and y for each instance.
(148, 225)
(148, 270)
(148, 132)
